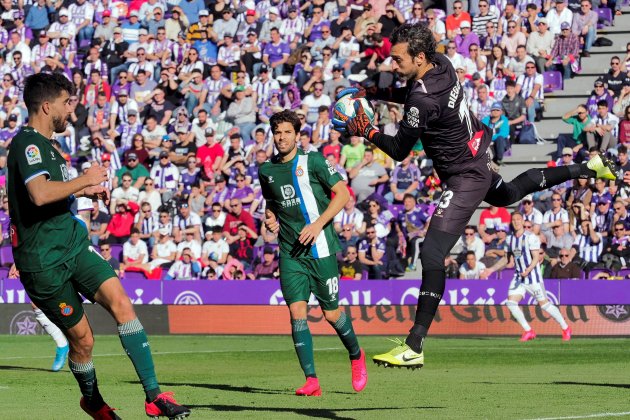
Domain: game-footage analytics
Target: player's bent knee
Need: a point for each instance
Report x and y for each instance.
(332, 316)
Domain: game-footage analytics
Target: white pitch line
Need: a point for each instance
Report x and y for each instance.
(161, 353)
(587, 416)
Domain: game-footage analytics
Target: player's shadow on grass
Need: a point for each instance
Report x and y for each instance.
(624, 386)
(324, 413)
(243, 389)
(3, 367)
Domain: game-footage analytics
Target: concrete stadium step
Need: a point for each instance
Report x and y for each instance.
(550, 128)
(530, 153)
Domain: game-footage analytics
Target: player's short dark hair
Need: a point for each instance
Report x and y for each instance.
(43, 87)
(418, 37)
(285, 116)
(602, 102)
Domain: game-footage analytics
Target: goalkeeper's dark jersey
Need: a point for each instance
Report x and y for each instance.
(437, 113)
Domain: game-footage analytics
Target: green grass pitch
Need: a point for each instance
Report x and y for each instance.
(238, 377)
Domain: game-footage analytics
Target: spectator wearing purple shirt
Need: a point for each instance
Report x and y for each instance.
(372, 254)
(242, 192)
(405, 180)
(599, 93)
(465, 39)
(315, 25)
(5, 221)
(7, 134)
(275, 54)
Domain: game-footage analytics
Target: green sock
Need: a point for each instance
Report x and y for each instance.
(135, 342)
(344, 329)
(85, 375)
(303, 342)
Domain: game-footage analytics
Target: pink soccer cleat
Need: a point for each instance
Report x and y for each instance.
(104, 413)
(166, 406)
(310, 389)
(359, 373)
(528, 335)
(566, 334)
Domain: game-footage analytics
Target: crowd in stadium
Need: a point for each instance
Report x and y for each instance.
(174, 98)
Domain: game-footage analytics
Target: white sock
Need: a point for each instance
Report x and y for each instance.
(518, 314)
(50, 328)
(553, 310)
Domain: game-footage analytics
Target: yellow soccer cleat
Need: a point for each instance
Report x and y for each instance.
(400, 356)
(604, 167)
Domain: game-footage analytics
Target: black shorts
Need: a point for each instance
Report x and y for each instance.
(462, 196)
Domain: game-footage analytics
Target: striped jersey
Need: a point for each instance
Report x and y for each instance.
(521, 248)
(298, 192)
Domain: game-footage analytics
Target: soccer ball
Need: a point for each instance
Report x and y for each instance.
(345, 108)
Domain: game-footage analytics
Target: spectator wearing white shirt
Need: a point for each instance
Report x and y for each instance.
(530, 87)
(166, 176)
(555, 16)
(531, 213)
(186, 221)
(184, 269)
(191, 244)
(215, 250)
(456, 59)
(350, 218)
(471, 269)
(82, 15)
(135, 252)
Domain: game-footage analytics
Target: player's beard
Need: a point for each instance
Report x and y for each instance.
(59, 124)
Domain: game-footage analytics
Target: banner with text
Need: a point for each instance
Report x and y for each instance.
(364, 292)
(478, 320)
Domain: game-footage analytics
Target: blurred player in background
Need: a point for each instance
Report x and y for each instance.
(297, 187)
(524, 247)
(55, 257)
(435, 111)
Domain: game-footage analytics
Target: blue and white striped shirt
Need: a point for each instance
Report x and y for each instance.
(521, 247)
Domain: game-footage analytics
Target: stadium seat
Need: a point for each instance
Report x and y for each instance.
(552, 81)
(364, 275)
(134, 275)
(6, 256)
(506, 274)
(605, 16)
(117, 251)
(596, 271)
(624, 273)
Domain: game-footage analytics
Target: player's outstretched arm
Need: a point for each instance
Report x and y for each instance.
(309, 233)
(496, 267)
(42, 191)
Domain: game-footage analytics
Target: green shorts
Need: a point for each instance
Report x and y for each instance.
(300, 277)
(56, 291)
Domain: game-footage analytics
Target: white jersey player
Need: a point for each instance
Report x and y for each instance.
(524, 246)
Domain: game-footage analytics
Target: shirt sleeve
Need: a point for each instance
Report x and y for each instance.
(30, 159)
(324, 171)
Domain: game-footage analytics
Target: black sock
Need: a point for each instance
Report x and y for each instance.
(433, 283)
(152, 394)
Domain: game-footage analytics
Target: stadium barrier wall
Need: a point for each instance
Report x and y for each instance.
(452, 320)
(363, 292)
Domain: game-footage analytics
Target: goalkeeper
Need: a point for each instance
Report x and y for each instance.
(435, 110)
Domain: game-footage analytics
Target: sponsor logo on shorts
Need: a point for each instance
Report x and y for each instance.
(66, 310)
(299, 171)
(33, 155)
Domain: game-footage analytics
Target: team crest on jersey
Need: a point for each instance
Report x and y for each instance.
(517, 253)
(270, 179)
(52, 155)
(413, 117)
(299, 171)
(66, 310)
(33, 155)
